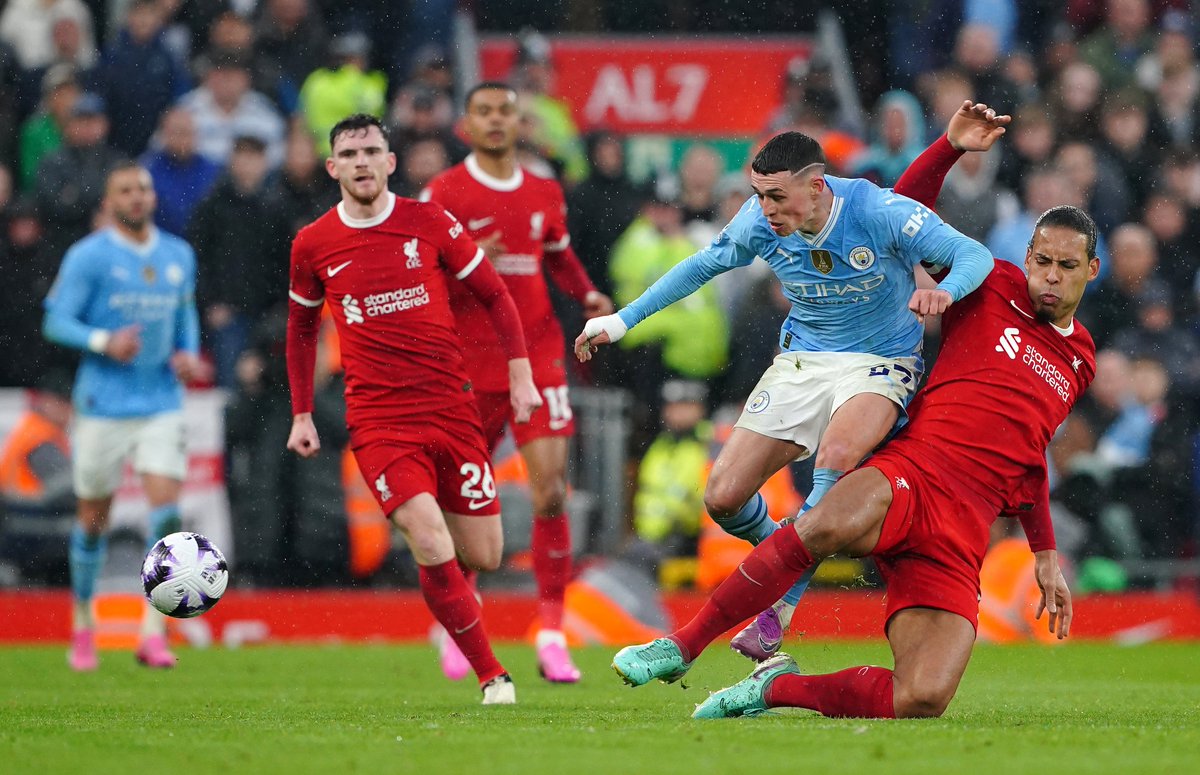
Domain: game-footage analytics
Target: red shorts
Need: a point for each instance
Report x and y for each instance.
(442, 454)
(933, 540)
(553, 418)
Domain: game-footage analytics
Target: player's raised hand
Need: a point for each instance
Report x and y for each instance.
(976, 127)
(493, 248)
(124, 344)
(1056, 596)
(522, 392)
(596, 304)
(931, 301)
(597, 331)
(303, 439)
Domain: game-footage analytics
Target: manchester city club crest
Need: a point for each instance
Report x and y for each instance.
(759, 403)
(822, 261)
(862, 257)
(149, 275)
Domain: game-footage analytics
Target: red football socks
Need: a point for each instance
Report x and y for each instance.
(551, 549)
(763, 576)
(857, 692)
(453, 604)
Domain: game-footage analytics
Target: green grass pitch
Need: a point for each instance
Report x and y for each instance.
(1083, 708)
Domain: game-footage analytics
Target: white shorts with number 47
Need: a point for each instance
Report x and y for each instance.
(800, 391)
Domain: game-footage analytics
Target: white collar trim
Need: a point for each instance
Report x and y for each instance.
(835, 211)
(366, 223)
(491, 181)
(142, 249)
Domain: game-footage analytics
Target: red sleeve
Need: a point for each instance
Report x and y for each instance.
(568, 273)
(1034, 514)
(923, 179)
(303, 326)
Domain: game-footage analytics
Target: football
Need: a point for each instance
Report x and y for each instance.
(184, 575)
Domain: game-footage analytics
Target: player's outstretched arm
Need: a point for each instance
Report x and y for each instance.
(303, 439)
(976, 127)
(605, 329)
(1056, 596)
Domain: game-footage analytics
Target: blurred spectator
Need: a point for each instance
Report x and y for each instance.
(431, 85)
(1076, 96)
(1029, 144)
(289, 33)
(898, 137)
(70, 181)
(42, 133)
(223, 107)
(304, 189)
(289, 513)
(182, 177)
(1120, 42)
(669, 501)
(29, 26)
(552, 128)
(979, 55)
(30, 267)
(602, 206)
(423, 119)
(1165, 215)
(1125, 127)
(69, 49)
(1130, 279)
(421, 161)
(971, 197)
(139, 77)
(233, 32)
(756, 320)
(944, 92)
(688, 339)
(346, 87)
(1180, 173)
(808, 88)
(695, 186)
(38, 497)
(1155, 335)
(1106, 195)
(241, 241)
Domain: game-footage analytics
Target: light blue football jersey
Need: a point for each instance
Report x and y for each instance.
(849, 285)
(108, 282)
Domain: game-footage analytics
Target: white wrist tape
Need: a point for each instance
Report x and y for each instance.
(98, 340)
(608, 324)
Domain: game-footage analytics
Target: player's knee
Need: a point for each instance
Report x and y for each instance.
(484, 558)
(549, 496)
(921, 701)
(722, 500)
(838, 454)
(821, 536)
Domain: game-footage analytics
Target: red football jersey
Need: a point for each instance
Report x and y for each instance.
(1002, 384)
(530, 214)
(385, 280)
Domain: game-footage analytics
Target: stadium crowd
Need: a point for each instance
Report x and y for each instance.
(229, 103)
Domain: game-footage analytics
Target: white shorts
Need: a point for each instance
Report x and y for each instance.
(101, 445)
(799, 393)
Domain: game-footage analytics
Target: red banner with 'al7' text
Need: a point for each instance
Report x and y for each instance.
(720, 86)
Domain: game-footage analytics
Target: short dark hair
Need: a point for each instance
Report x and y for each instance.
(122, 164)
(355, 123)
(487, 85)
(1069, 217)
(788, 151)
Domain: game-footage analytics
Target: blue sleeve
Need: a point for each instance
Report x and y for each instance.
(923, 236)
(66, 302)
(728, 250)
(187, 319)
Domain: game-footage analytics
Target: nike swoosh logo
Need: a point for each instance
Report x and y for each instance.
(335, 269)
(479, 224)
(477, 505)
(460, 631)
(1018, 309)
